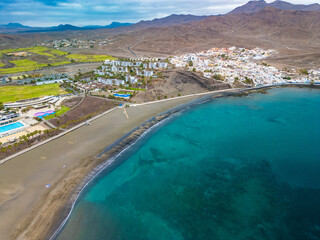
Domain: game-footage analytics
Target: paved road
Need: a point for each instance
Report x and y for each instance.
(190, 95)
(129, 48)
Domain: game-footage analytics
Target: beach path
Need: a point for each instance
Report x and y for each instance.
(25, 179)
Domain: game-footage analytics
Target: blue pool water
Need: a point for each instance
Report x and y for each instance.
(235, 168)
(10, 126)
(122, 95)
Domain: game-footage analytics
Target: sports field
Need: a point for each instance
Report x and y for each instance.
(14, 93)
(58, 113)
(39, 57)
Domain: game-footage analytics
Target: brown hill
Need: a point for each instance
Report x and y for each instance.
(258, 5)
(250, 7)
(13, 38)
(171, 20)
(289, 6)
(292, 32)
(269, 28)
(178, 82)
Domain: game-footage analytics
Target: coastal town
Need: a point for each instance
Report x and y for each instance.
(239, 65)
(117, 81)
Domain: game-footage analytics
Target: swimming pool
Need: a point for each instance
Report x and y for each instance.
(10, 126)
(122, 95)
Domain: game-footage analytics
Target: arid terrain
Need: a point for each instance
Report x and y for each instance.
(82, 109)
(176, 83)
(294, 33)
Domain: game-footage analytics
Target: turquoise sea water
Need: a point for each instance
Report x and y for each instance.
(233, 168)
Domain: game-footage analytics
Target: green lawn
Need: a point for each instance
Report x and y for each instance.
(58, 52)
(136, 89)
(14, 93)
(60, 63)
(13, 50)
(88, 58)
(41, 51)
(53, 57)
(50, 52)
(22, 65)
(58, 113)
(125, 92)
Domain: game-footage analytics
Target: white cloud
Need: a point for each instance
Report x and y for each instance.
(106, 9)
(83, 12)
(23, 13)
(70, 5)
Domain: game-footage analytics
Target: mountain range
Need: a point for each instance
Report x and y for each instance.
(258, 5)
(270, 27)
(19, 28)
(172, 20)
(295, 32)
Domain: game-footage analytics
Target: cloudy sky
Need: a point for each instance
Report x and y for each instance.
(102, 12)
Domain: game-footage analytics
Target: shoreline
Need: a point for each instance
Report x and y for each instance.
(108, 164)
(30, 208)
(110, 161)
(54, 206)
(2, 161)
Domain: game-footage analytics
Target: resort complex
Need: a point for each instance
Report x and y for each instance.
(23, 117)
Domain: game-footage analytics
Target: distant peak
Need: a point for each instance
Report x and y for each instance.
(117, 24)
(270, 9)
(65, 25)
(257, 1)
(14, 25)
(254, 6)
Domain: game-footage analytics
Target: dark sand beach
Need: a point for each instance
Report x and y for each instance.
(30, 209)
(33, 211)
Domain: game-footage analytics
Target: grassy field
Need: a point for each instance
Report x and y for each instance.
(136, 89)
(58, 113)
(24, 65)
(39, 57)
(14, 93)
(52, 53)
(88, 58)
